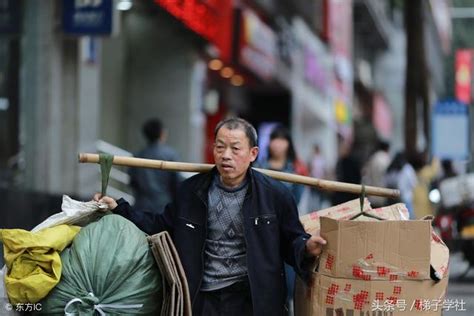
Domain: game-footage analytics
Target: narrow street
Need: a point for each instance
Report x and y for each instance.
(460, 290)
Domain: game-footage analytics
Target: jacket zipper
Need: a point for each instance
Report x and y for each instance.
(246, 250)
(202, 251)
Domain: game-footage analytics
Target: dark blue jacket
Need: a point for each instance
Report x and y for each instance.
(272, 231)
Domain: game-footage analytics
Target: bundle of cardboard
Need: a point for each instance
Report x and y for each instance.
(392, 266)
(176, 298)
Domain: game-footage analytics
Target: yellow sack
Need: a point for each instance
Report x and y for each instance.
(33, 261)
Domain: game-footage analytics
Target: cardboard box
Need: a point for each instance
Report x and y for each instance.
(371, 267)
(340, 296)
(376, 250)
(439, 253)
(347, 210)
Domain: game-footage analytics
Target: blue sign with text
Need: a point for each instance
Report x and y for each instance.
(450, 130)
(87, 17)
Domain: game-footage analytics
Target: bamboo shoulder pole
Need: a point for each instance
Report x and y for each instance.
(325, 185)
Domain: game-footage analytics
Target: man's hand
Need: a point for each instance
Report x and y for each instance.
(314, 246)
(111, 204)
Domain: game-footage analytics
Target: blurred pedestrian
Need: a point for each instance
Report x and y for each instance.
(153, 188)
(426, 173)
(282, 157)
(448, 169)
(347, 170)
(401, 176)
(318, 170)
(373, 172)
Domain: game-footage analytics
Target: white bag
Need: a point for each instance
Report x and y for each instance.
(73, 213)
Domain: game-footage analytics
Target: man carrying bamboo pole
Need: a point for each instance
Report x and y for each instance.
(233, 228)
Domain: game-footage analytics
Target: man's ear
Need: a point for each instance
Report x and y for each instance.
(253, 153)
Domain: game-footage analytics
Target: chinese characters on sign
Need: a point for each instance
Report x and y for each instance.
(87, 17)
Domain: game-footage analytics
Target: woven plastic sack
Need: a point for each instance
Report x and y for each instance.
(109, 269)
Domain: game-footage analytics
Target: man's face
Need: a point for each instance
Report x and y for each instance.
(233, 155)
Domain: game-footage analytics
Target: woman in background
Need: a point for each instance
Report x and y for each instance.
(282, 157)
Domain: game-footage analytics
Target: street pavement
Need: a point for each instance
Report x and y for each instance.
(460, 290)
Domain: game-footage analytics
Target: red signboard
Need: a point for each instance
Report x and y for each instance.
(463, 75)
(211, 19)
(258, 45)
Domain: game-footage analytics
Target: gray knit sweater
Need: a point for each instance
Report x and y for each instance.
(225, 255)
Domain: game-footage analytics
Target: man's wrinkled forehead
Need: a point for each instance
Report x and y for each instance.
(239, 124)
(234, 136)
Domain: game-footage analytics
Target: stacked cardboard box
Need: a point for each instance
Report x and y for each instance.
(371, 267)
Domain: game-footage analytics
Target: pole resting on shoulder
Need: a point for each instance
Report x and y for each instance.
(319, 184)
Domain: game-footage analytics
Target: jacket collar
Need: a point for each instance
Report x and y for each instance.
(201, 187)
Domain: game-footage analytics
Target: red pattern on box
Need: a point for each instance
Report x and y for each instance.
(418, 304)
(330, 300)
(333, 289)
(397, 290)
(413, 274)
(393, 277)
(360, 299)
(313, 215)
(329, 262)
(357, 271)
(348, 287)
(436, 238)
(383, 271)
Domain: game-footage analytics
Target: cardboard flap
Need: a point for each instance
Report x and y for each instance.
(345, 211)
(311, 221)
(439, 256)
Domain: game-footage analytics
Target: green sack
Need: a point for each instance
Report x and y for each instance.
(109, 269)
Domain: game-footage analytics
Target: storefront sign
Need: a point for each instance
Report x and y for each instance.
(211, 19)
(258, 46)
(450, 130)
(463, 75)
(315, 72)
(286, 40)
(315, 61)
(87, 17)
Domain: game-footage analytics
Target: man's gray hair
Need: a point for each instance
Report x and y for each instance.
(238, 123)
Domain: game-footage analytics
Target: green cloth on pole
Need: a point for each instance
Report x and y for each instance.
(105, 161)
